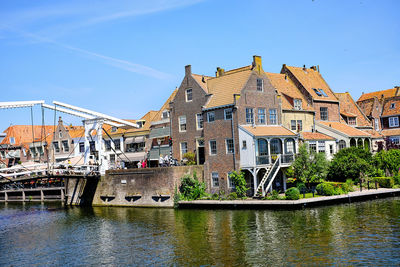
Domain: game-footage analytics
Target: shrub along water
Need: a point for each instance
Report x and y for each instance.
(240, 183)
(292, 193)
(386, 182)
(191, 188)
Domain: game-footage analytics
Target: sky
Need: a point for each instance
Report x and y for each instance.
(124, 58)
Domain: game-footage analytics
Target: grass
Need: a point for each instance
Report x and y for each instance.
(309, 195)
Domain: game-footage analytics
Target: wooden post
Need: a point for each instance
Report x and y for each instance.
(23, 196)
(41, 195)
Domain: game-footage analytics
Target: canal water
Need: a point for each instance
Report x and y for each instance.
(366, 233)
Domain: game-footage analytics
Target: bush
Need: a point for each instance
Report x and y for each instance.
(190, 156)
(350, 163)
(396, 178)
(388, 160)
(292, 193)
(215, 196)
(386, 182)
(301, 186)
(191, 189)
(326, 189)
(240, 183)
(232, 196)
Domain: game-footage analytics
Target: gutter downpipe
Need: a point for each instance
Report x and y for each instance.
(233, 132)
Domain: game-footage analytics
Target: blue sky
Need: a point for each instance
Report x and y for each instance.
(124, 58)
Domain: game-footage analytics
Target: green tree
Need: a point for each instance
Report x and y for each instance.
(388, 161)
(350, 163)
(310, 167)
(240, 183)
(191, 189)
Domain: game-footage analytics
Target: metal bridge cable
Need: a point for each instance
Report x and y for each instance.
(33, 133)
(114, 145)
(54, 131)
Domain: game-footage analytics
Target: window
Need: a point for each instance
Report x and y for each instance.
(112, 158)
(213, 147)
(392, 106)
(342, 144)
(107, 144)
(272, 116)
(199, 121)
(275, 146)
(3, 154)
(211, 116)
(290, 146)
(297, 104)
(215, 179)
(352, 120)
(331, 149)
(228, 114)
(56, 147)
(324, 113)
(393, 121)
(60, 134)
(323, 92)
(12, 140)
(260, 85)
(299, 125)
(321, 146)
(92, 146)
(117, 144)
(261, 115)
(182, 123)
(65, 146)
(230, 181)
(395, 140)
(165, 114)
(33, 151)
(229, 146)
(317, 92)
(244, 144)
(293, 125)
(184, 149)
(312, 145)
(249, 116)
(376, 124)
(189, 96)
(113, 129)
(81, 147)
(40, 150)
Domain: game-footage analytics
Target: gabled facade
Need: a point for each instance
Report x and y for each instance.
(390, 119)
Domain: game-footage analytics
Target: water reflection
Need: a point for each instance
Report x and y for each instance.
(355, 234)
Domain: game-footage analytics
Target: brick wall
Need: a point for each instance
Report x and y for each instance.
(333, 110)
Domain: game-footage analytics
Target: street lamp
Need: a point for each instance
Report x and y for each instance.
(159, 140)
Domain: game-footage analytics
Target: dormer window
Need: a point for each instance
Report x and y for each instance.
(260, 85)
(297, 104)
(12, 140)
(189, 95)
(392, 106)
(323, 92)
(320, 92)
(352, 121)
(165, 114)
(113, 129)
(317, 92)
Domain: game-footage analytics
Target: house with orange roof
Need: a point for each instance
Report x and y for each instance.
(233, 121)
(16, 144)
(390, 118)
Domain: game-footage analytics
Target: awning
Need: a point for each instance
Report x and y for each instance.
(129, 140)
(139, 139)
(137, 156)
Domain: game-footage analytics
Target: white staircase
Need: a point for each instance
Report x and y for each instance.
(269, 176)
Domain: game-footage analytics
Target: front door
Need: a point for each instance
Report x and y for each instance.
(200, 151)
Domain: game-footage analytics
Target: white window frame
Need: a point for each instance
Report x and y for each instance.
(214, 183)
(297, 103)
(227, 146)
(12, 140)
(187, 95)
(293, 127)
(393, 121)
(244, 144)
(81, 145)
(231, 185)
(181, 123)
(353, 122)
(299, 125)
(60, 135)
(65, 148)
(261, 117)
(392, 105)
(227, 111)
(273, 116)
(210, 114)
(163, 113)
(312, 144)
(181, 148)
(376, 124)
(321, 148)
(56, 148)
(249, 116)
(289, 149)
(210, 146)
(199, 121)
(260, 86)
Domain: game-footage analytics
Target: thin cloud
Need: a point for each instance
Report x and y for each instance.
(115, 62)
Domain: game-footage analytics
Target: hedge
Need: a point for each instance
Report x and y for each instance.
(292, 193)
(385, 182)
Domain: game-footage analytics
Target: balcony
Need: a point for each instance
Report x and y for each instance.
(286, 159)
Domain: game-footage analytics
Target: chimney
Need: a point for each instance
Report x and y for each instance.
(202, 79)
(219, 72)
(188, 70)
(257, 63)
(304, 67)
(314, 68)
(318, 68)
(397, 90)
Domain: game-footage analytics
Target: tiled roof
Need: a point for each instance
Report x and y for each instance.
(316, 136)
(288, 91)
(378, 94)
(269, 130)
(199, 80)
(373, 133)
(344, 128)
(224, 87)
(391, 132)
(165, 106)
(310, 79)
(387, 111)
(23, 134)
(349, 108)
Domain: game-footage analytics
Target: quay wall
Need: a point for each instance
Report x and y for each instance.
(149, 187)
